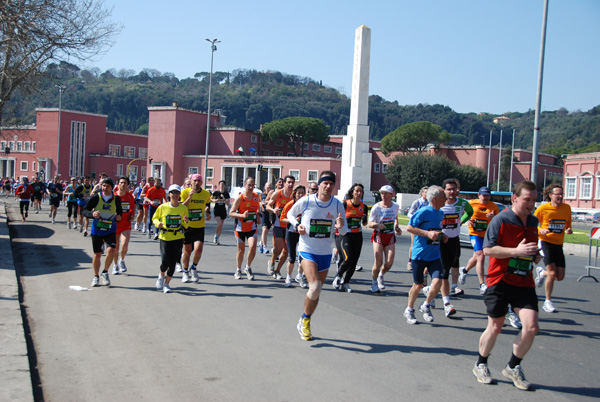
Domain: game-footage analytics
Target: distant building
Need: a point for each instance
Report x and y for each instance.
(582, 180)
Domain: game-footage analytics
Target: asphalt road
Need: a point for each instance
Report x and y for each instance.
(230, 340)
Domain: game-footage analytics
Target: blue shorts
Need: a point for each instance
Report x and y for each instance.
(434, 268)
(476, 242)
(323, 261)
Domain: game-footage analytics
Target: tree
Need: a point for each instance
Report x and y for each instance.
(297, 131)
(35, 33)
(413, 136)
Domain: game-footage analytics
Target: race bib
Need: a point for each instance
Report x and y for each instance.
(155, 202)
(520, 265)
(195, 215)
(354, 222)
(320, 228)
(557, 225)
(450, 221)
(251, 216)
(480, 225)
(389, 226)
(173, 221)
(103, 225)
(125, 207)
(435, 242)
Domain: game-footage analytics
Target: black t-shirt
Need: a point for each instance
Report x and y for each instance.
(38, 187)
(221, 197)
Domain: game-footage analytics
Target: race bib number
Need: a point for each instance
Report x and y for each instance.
(195, 215)
(435, 242)
(251, 216)
(173, 221)
(320, 228)
(389, 226)
(520, 265)
(480, 225)
(53, 195)
(354, 222)
(450, 221)
(104, 225)
(557, 225)
(125, 207)
(156, 202)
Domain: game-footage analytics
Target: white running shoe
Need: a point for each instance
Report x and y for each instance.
(358, 268)
(178, 267)
(238, 274)
(166, 288)
(288, 282)
(249, 274)
(426, 310)
(122, 266)
(95, 281)
(53, 221)
(75, 225)
(380, 282)
(483, 289)
(80, 228)
(194, 275)
(137, 226)
(277, 275)
(105, 278)
(449, 310)
(409, 314)
(513, 319)
(539, 276)
(144, 229)
(548, 307)
(482, 373)
(375, 287)
(69, 225)
(346, 288)
(270, 268)
(303, 282)
(336, 283)
(298, 278)
(159, 282)
(462, 275)
(426, 290)
(115, 269)
(185, 278)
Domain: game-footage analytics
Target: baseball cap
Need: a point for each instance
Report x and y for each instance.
(175, 187)
(485, 191)
(195, 177)
(387, 188)
(108, 180)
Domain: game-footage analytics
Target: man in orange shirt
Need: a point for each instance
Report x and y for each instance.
(275, 205)
(555, 221)
(246, 212)
(483, 212)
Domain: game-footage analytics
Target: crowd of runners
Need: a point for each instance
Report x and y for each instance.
(312, 229)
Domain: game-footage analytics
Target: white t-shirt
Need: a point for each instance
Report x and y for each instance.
(384, 215)
(319, 220)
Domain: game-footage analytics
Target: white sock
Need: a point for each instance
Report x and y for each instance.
(446, 300)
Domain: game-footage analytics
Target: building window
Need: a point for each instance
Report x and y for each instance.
(328, 149)
(210, 173)
(77, 148)
(384, 168)
(119, 169)
(254, 138)
(27, 146)
(33, 166)
(278, 143)
(295, 174)
(338, 150)
(313, 175)
(33, 146)
(377, 167)
(143, 152)
(586, 188)
(265, 152)
(193, 170)
(11, 145)
(143, 172)
(571, 187)
(277, 153)
(24, 166)
(130, 152)
(305, 146)
(19, 145)
(316, 147)
(114, 150)
(2, 145)
(133, 169)
(291, 154)
(265, 140)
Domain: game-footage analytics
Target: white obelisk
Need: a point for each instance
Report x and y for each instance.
(356, 158)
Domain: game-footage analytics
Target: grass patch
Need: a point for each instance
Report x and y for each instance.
(578, 237)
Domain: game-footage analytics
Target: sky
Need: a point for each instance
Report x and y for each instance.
(470, 55)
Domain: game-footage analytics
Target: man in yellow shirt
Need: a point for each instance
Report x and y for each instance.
(483, 212)
(555, 221)
(197, 200)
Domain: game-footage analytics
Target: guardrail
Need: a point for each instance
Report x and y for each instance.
(594, 237)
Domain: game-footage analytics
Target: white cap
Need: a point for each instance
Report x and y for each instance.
(174, 187)
(387, 188)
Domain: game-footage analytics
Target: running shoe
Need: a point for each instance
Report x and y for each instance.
(409, 266)
(80, 228)
(137, 227)
(115, 269)
(346, 288)
(50, 214)
(159, 282)
(249, 274)
(548, 307)
(380, 282)
(95, 281)
(517, 376)
(375, 287)
(53, 221)
(194, 275)
(539, 276)
(68, 224)
(85, 233)
(185, 278)
(449, 310)
(266, 249)
(462, 276)
(75, 226)
(144, 229)
(238, 274)
(358, 268)
(426, 290)
(277, 275)
(178, 267)
(105, 279)
(156, 236)
(409, 314)
(336, 283)
(482, 373)
(166, 288)
(304, 329)
(303, 282)
(482, 289)
(122, 266)
(513, 319)
(260, 248)
(456, 292)
(298, 278)
(270, 268)
(288, 282)
(149, 233)
(426, 310)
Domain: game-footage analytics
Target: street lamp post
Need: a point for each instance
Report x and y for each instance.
(545, 170)
(61, 89)
(213, 49)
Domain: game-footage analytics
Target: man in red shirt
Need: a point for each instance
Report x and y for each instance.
(511, 243)
(124, 225)
(24, 192)
(155, 196)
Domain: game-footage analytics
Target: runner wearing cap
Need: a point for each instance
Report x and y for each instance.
(245, 210)
(483, 212)
(197, 201)
(71, 203)
(384, 222)
(24, 192)
(171, 221)
(54, 190)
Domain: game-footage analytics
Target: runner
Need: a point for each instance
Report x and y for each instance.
(139, 204)
(221, 198)
(275, 205)
(83, 193)
(555, 221)
(483, 212)
(105, 209)
(383, 220)
(54, 190)
(351, 242)
(123, 226)
(39, 188)
(426, 225)
(511, 244)
(416, 205)
(155, 196)
(171, 220)
(321, 215)
(292, 237)
(71, 203)
(24, 192)
(265, 218)
(197, 201)
(245, 210)
(146, 203)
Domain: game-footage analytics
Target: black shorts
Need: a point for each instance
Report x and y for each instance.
(220, 211)
(55, 201)
(97, 241)
(450, 255)
(553, 254)
(241, 237)
(500, 295)
(37, 196)
(139, 205)
(265, 218)
(193, 235)
(279, 232)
